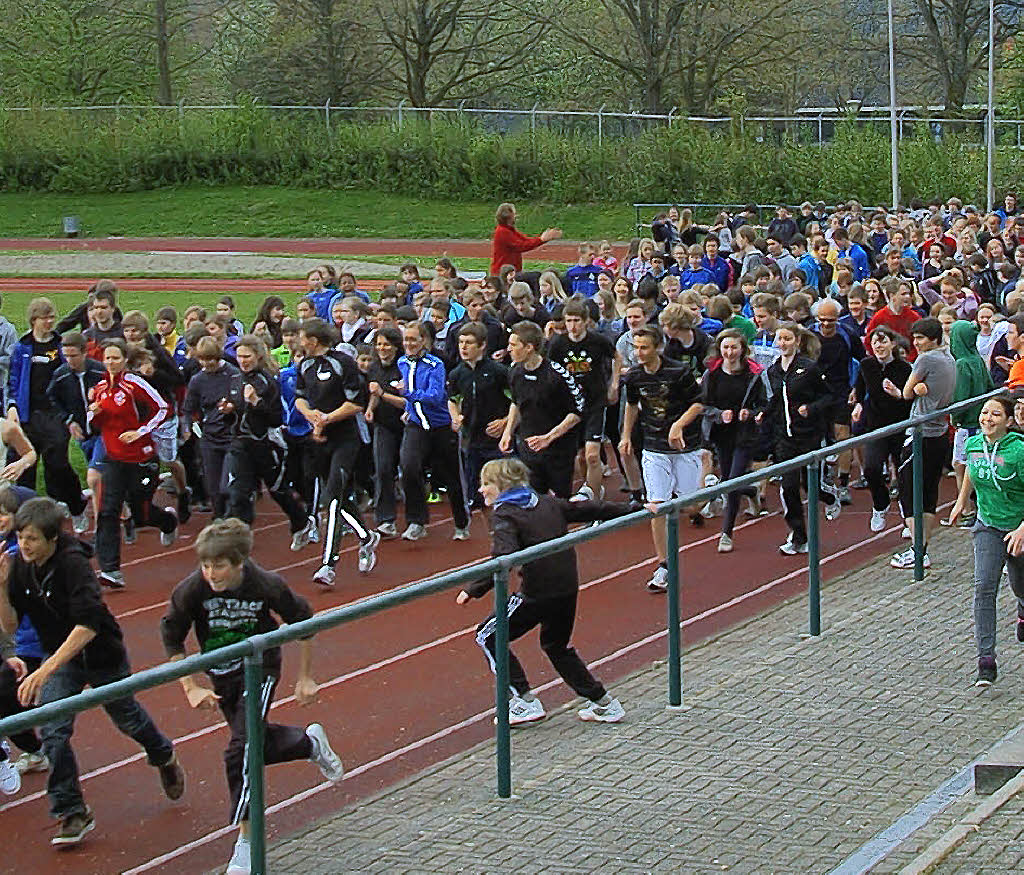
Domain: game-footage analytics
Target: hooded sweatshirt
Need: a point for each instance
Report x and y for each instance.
(972, 375)
(997, 474)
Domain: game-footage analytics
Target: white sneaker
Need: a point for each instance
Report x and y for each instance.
(323, 755)
(302, 538)
(832, 510)
(241, 858)
(521, 711)
(388, 530)
(32, 762)
(612, 712)
(606, 471)
(368, 552)
(461, 534)
(414, 532)
(168, 538)
(314, 531)
(324, 575)
(10, 777)
(877, 520)
(585, 493)
(906, 559)
(659, 580)
(905, 533)
(725, 544)
(113, 579)
(791, 549)
(80, 522)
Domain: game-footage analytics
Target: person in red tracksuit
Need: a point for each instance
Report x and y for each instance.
(125, 409)
(509, 244)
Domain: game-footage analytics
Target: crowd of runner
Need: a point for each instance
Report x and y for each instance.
(552, 397)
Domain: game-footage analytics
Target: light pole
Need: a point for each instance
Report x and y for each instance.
(990, 127)
(894, 146)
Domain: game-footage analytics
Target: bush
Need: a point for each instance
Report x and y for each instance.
(132, 150)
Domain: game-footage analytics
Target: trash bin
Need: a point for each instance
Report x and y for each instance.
(72, 227)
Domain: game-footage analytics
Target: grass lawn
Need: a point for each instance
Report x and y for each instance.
(268, 211)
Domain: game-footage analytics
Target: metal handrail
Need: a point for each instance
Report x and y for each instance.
(252, 649)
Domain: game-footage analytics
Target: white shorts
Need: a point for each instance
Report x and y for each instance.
(668, 475)
(960, 443)
(165, 439)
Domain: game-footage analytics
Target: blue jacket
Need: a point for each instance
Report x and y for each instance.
(710, 326)
(414, 289)
(19, 383)
(426, 397)
(809, 265)
(861, 268)
(719, 270)
(26, 640)
(689, 278)
(180, 352)
(337, 296)
(295, 422)
(322, 302)
(582, 278)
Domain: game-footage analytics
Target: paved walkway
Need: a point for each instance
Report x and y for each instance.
(788, 755)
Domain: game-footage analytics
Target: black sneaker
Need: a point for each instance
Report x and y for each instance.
(73, 829)
(185, 506)
(986, 672)
(172, 778)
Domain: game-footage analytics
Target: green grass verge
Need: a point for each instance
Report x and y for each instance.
(270, 211)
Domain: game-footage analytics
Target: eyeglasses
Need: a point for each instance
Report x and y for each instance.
(826, 321)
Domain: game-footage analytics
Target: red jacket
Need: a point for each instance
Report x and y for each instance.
(508, 247)
(128, 403)
(901, 324)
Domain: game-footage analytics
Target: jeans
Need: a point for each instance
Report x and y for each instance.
(128, 715)
(135, 483)
(989, 557)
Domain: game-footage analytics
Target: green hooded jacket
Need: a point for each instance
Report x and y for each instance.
(972, 376)
(997, 474)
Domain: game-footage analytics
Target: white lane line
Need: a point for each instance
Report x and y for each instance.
(483, 715)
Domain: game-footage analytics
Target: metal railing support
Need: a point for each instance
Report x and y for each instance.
(675, 680)
(327, 117)
(254, 760)
(813, 550)
(919, 544)
(503, 741)
(600, 126)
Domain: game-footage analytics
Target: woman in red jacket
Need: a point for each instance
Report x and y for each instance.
(124, 410)
(509, 244)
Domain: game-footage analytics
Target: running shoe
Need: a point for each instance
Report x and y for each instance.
(725, 544)
(844, 495)
(522, 711)
(414, 532)
(32, 762)
(303, 537)
(323, 754)
(877, 520)
(324, 575)
(755, 507)
(461, 534)
(789, 548)
(832, 510)
(10, 777)
(905, 533)
(130, 534)
(1020, 629)
(906, 559)
(585, 493)
(241, 858)
(80, 522)
(388, 530)
(113, 579)
(73, 829)
(610, 712)
(659, 580)
(987, 672)
(185, 506)
(168, 538)
(860, 483)
(434, 497)
(368, 552)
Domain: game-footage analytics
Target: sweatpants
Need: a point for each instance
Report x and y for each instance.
(386, 443)
(795, 480)
(281, 744)
(933, 456)
(439, 446)
(250, 463)
(49, 436)
(877, 454)
(989, 558)
(733, 461)
(26, 740)
(136, 484)
(299, 473)
(555, 617)
(549, 471)
(214, 457)
(333, 463)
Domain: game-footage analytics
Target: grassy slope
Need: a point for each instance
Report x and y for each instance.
(265, 211)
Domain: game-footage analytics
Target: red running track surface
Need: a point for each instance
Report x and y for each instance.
(401, 690)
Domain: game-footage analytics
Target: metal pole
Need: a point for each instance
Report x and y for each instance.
(254, 760)
(894, 148)
(401, 103)
(919, 544)
(813, 551)
(600, 124)
(675, 681)
(501, 684)
(327, 117)
(990, 143)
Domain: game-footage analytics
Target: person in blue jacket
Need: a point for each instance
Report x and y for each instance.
(581, 278)
(718, 266)
(695, 274)
(858, 257)
(428, 436)
(27, 656)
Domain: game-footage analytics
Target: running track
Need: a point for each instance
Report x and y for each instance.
(401, 690)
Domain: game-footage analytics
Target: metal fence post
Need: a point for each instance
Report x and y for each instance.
(600, 126)
(327, 117)
(813, 550)
(819, 129)
(675, 680)
(401, 103)
(503, 741)
(254, 760)
(916, 446)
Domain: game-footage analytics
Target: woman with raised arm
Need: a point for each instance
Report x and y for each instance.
(509, 244)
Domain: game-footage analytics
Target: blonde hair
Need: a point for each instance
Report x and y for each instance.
(551, 278)
(505, 473)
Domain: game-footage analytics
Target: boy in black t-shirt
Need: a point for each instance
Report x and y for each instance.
(591, 359)
(226, 601)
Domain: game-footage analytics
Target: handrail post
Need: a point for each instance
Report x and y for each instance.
(254, 760)
(813, 551)
(675, 681)
(503, 740)
(918, 462)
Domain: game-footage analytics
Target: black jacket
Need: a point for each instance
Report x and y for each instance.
(63, 594)
(254, 421)
(205, 392)
(721, 391)
(881, 408)
(68, 391)
(482, 394)
(802, 384)
(515, 528)
(167, 378)
(495, 336)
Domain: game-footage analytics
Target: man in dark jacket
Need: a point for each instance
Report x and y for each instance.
(547, 597)
(51, 582)
(495, 331)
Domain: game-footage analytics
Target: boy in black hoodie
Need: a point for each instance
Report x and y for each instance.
(550, 585)
(51, 582)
